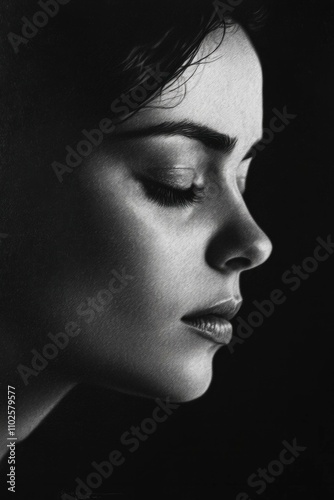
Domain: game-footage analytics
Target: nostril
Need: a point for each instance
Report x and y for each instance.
(239, 263)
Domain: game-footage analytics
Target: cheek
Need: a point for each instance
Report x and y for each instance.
(135, 240)
(137, 342)
(133, 235)
(163, 252)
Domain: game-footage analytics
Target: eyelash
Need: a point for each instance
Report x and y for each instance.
(167, 196)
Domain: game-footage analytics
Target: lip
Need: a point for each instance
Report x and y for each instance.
(213, 323)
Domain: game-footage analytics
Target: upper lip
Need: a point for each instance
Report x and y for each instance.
(226, 309)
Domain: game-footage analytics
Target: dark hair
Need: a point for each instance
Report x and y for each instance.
(95, 51)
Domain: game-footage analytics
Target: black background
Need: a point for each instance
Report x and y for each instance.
(278, 384)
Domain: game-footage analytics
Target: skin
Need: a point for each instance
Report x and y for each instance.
(179, 259)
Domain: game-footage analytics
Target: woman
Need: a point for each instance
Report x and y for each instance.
(129, 133)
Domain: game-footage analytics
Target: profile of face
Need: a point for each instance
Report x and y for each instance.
(161, 204)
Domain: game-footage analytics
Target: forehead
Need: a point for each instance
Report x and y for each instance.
(224, 92)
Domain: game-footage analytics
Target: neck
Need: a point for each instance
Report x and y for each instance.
(34, 398)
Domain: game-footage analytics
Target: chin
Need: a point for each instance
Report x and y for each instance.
(190, 392)
(180, 384)
(179, 376)
(194, 381)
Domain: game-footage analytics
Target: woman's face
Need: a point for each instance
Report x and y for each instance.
(164, 209)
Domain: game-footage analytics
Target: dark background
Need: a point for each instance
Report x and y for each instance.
(278, 384)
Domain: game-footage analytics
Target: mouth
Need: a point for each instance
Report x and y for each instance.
(214, 323)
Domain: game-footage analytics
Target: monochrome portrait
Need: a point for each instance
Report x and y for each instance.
(165, 249)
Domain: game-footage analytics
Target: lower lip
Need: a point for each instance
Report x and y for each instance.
(211, 327)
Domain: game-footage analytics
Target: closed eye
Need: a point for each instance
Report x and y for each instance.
(168, 196)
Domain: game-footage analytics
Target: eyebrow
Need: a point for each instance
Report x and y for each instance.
(206, 135)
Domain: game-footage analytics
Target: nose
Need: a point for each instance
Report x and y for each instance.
(239, 244)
